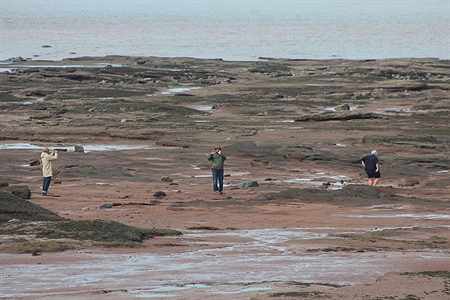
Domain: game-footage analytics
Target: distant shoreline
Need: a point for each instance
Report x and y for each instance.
(19, 59)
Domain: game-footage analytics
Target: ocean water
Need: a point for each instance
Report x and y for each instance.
(231, 30)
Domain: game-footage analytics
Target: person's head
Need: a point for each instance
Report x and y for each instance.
(217, 149)
(374, 152)
(46, 150)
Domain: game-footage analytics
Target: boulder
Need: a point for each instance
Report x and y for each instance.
(34, 162)
(106, 205)
(248, 184)
(166, 178)
(409, 183)
(342, 107)
(16, 208)
(21, 191)
(79, 149)
(159, 194)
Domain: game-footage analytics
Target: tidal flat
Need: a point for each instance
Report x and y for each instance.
(311, 228)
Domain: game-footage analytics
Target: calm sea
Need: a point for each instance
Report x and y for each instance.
(231, 30)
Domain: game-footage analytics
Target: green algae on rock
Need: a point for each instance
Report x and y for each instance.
(32, 228)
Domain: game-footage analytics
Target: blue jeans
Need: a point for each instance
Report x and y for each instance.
(46, 184)
(217, 175)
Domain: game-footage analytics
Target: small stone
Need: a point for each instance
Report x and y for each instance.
(167, 179)
(34, 162)
(159, 194)
(248, 184)
(3, 183)
(106, 205)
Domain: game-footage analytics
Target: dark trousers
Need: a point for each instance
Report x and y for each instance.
(217, 175)
(46, 184)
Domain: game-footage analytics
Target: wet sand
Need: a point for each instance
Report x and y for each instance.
(311, 228)
(229, 249)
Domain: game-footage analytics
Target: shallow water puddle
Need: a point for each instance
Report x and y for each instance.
(215, 289)
(284, 121)
(333, 109)
(87, 147)
(179, 90)
(388, 206)
(259, 259)
(261, 239)
(205, 108)
(407, 216)
(135, 272)
(6, 70)
(396, 109)
(95, 65)
(319, 179)
(19, 146)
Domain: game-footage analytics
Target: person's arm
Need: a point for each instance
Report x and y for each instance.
(377, 170)
(222, 155)
(49, 157)
(53, 156)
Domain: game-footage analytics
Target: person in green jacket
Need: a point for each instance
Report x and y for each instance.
(218, 159)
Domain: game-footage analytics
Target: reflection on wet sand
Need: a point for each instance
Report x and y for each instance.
(262, 254)
(87, 147)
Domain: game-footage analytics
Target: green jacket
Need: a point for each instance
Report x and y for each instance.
(217, 160)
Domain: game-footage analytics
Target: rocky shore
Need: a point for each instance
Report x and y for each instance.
(298, 128)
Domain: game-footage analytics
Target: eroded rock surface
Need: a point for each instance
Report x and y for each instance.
(297, 127)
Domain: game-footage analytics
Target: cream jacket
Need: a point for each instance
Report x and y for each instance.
(46, 160)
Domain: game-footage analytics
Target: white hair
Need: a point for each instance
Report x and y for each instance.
(374, 152)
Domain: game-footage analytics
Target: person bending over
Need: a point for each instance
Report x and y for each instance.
(371, 164)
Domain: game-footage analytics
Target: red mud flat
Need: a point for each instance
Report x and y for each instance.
(233, 246)
(311, 229)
